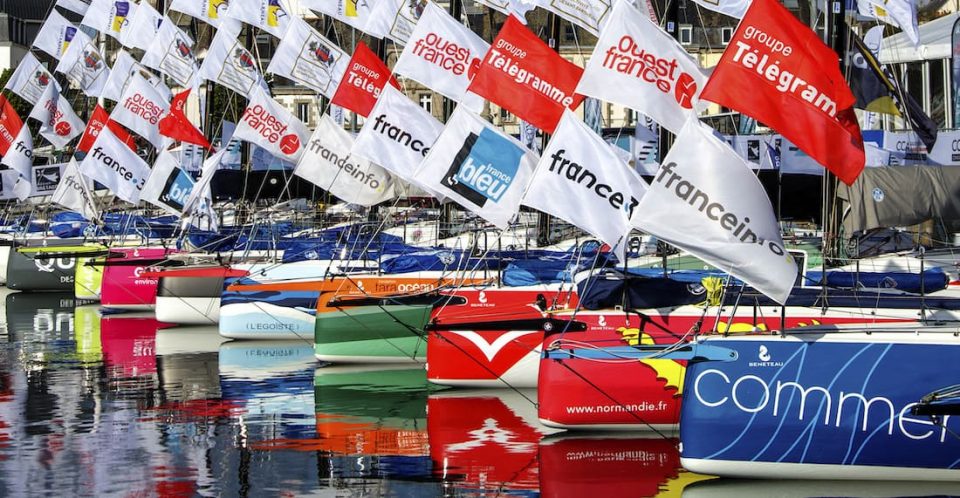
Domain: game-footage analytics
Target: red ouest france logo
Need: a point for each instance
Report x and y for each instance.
(62, 128)
(289, 144)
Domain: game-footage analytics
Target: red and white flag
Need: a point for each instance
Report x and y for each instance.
(140, 108)
(309, 59)
(58, 123)
(443, 55)
(521, 74)
(10, 124)
(178, 126)
(30, 79)
(124, 67)
(364, 80)
(267, 124)
(20, 154)
(777, 70)
(97, 121)
(637, 65)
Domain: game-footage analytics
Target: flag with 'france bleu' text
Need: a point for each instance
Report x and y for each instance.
(705, 199)
(521, 74)
(777, 70)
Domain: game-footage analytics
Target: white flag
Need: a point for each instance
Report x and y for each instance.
(208, 11)
(309, 59)
(899, 13)
(83, 64)
(396, 19)
(30, 79)
(397, 135)
(20, 154)
(115, 166)
(479, 167)
(581, 180)
(110, 17)
(268, 124)
(123, 68)
(143, 27)
(272, 16)
(590, 15)
(45, 178)
(55, 35)
(707, 201)
(168, 186)
(140, 108)
(229, 64)
(77, 6)
(442, 54)
(328, 164)
(619, 70)
(74, 192)
(8, 181)
(356, 13)
(201, 188)
(518, 8)
(58, 123)
(172, 54)
(732, 8)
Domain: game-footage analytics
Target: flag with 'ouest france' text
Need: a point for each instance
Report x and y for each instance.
(523, 75)
(58, 123)
(777, 70)
(266, 123)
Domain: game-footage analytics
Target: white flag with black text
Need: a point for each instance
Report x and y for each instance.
(75, 192)
(115, 166)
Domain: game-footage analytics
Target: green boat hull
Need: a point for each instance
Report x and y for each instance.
(373, 334)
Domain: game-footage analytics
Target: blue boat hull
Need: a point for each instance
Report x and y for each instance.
(833, 405)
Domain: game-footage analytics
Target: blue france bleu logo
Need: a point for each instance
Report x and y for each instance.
(484, 168)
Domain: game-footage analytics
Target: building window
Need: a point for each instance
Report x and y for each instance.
(686, 35)
(569, 33)
(505, 115)
(426, 102)
(303, 112)
(726, 33)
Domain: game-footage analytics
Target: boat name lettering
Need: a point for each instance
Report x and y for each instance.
(840, 408)
(579, 174)
(270, 326)
(716, 211)
(399, 135)
(415, 287)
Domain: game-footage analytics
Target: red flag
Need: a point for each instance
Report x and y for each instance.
(776, 70)
(176, 125)
(97, 120)
(10, 124)
(523, 75)
(365, 78)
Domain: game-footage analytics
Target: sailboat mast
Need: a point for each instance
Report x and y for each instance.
(836, 37)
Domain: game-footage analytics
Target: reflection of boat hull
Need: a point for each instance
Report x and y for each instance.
(822, 404)
(48, 315)
(609, 465)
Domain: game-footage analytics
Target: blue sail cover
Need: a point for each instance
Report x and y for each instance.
(931, 280)
(606, 292)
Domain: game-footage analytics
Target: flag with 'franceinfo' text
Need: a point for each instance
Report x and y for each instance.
(479, 167)
(75, 192)
(328, 164)
(706, 200)
(521, 74)
(777, 70)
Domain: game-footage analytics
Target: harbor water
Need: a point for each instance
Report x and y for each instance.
(101, 404)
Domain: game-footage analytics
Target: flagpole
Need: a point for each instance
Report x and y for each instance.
(446, 210)
(544, 220)
(835, 36)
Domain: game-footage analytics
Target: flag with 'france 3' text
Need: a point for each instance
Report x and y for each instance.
(364, 80)
(328, 164)
(268, 124)
(777, 70)
(705, 199)
(521, 74)
(443, 55)
(397, 135)
(581, 180)
(479, 167)
(637, 65)
(115, 166)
